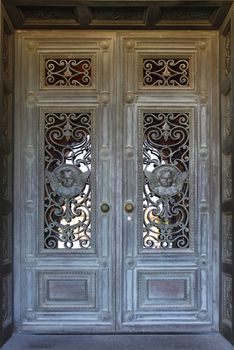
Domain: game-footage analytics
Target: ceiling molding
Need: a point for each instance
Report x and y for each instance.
(105, 14)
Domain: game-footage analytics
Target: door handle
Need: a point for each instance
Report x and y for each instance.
(129, 207)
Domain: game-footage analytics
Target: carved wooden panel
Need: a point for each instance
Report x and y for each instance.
(166, 71)
(68, 71)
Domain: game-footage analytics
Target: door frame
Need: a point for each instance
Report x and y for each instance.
(214, 133)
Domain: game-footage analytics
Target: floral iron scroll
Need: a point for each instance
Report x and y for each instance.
(166, 72)
(166, 172)
(67, 199)
(64, 72)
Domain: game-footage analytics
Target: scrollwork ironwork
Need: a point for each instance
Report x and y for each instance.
(166, 173)
(166, 72)
(67, 180)
(65, 72)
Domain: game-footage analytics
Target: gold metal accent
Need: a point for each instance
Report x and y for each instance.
(105, 207)
(129, 207)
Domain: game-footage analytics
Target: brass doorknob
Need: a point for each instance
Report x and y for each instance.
(105, 207)
(129, 207)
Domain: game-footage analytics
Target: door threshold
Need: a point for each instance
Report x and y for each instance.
(211, 341)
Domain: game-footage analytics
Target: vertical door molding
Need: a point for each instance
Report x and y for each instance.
(6, 186)
(227, 171)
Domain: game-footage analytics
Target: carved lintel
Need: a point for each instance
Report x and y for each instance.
(129, 97)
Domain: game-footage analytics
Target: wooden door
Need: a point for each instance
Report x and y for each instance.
(116, 173)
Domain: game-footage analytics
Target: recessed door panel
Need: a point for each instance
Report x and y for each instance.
(114, 157)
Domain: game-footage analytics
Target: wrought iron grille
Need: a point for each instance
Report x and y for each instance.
(166, 72)
(67, 217)
(66, 72)
(166, 187)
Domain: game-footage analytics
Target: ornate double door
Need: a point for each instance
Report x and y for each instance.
(115, 155)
